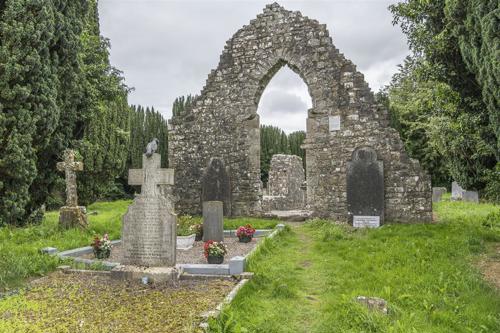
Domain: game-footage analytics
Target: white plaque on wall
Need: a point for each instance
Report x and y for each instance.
(334, 122)
(366, 221)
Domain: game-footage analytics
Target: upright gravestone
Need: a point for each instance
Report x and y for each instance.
(71, 215)
(216, 185)
(456, 191)
(149, 226)
(470, 196)
(213, 221)
(365, 188)
(437, 193)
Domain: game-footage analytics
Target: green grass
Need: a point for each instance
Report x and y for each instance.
(19, 247)
(306, 280)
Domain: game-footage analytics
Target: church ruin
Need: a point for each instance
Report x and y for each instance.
(223, 123)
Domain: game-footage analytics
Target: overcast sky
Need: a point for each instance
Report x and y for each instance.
(166, 48)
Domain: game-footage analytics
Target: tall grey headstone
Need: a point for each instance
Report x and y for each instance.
(365, 188)
(216, 184)
(456, 191)
(470, 196)
(437, 194)
(149, 226)
(213, 221)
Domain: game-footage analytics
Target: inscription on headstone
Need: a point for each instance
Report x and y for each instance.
(334, 123)
(365, 187)
(366, 221)
(149, 226)
(216, 185)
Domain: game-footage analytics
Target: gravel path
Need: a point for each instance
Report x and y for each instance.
(195, 254)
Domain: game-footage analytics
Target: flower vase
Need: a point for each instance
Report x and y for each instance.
(215, 259)
(245, 239)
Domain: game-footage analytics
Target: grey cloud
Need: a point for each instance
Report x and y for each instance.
(167, 48)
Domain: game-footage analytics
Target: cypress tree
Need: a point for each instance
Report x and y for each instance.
(27, 99)
(103, 122)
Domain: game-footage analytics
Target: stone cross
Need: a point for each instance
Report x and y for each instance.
(150, 176)
(69, 166)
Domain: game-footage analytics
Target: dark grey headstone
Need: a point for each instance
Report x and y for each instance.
(213, 221)
(216, 185)
(365, 187)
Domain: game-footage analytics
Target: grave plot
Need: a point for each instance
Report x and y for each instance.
(192, 256)
(96, 303)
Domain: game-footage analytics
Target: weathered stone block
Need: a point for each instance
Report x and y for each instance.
(213, 221)
(70, 217)
(470, 196)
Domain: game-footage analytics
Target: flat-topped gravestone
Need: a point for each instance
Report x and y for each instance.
(149, 226)
(456, 191)
(71, 215)
(470, 196)
(216, 185)
(365, 188)
(437, 193)
(213, 221)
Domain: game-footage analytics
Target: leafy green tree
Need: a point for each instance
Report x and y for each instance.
(412, 103)
(458, 39)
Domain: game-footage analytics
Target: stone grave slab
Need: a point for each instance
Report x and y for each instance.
(213, 221)
(149, 226)
(365, 188)
(456, 191)
(470, 196)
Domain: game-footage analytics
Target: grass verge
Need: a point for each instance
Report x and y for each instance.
(306, 280)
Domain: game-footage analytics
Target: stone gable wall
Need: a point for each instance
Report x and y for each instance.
(224, 123)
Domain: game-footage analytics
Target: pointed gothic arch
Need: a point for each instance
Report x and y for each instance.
(224, 123)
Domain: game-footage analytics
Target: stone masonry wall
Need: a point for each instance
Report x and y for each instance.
(224, 123)
(286, 177)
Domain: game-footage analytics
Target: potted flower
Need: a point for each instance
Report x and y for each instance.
(245, 233)
(185, 234)
(198, 231)
(101, 247)
(215, 251)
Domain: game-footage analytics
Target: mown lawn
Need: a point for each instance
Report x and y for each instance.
(306, 280)
(20, 258)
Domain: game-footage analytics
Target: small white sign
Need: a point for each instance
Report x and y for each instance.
(366, 221)
(334, 122)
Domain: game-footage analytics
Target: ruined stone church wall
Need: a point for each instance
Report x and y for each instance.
(224, 123)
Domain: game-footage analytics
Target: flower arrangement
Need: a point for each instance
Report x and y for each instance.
(214, 251)
(245, 233)
(197, 229)
(101, 246)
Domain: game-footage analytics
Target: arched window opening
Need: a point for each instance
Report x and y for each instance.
(283, 112)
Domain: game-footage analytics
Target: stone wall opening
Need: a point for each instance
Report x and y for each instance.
(283, 105)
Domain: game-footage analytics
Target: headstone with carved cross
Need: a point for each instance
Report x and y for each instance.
(71, 215)
(149, 226)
